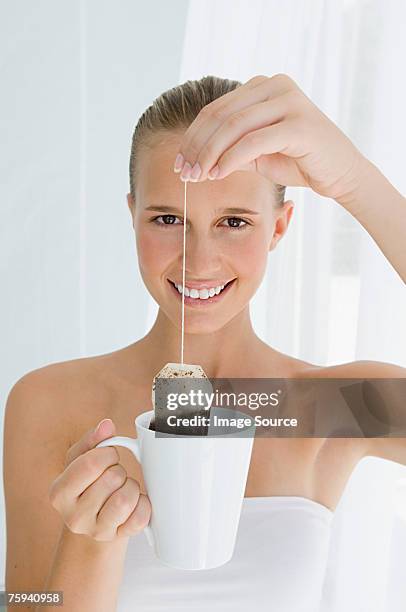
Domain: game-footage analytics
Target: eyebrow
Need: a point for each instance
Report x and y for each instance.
(230, 210)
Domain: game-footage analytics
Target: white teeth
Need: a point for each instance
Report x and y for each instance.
(202, 294)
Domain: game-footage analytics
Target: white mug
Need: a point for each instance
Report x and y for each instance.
(196, 486)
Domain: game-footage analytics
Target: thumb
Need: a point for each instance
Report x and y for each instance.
(104, 429)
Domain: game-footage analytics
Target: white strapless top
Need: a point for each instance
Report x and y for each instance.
(279, 564)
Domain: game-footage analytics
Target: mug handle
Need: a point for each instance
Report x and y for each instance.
(131, 443)
(134, 446)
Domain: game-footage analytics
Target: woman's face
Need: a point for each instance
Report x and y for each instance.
(231, 225)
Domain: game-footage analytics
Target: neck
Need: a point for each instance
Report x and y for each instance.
(223, 353)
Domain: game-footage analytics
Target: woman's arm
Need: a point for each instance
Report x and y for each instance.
(381, 209)
(87, 572)
(41, 553)
(384, 400)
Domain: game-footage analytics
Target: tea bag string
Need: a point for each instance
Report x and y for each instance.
(183, 277)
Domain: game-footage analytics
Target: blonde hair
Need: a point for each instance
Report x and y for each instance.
(176, 109)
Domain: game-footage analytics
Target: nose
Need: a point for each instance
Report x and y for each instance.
(203, 255)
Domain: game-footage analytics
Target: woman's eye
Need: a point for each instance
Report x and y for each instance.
(167, 220)
(234, 222)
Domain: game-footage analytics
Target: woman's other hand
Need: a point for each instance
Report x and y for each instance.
(94, 495)
(270, 126)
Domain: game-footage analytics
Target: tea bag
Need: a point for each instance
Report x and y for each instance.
(188, 377)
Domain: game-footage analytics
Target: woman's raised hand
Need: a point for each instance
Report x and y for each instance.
(270, 126)
(94, 495)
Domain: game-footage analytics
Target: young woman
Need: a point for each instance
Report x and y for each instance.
(72, 508)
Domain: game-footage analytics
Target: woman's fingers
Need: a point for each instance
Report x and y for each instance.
(194, 135)
(237, 125)
(281, 170)
(265, 141)
(117, 509)
(138, 519)
(80, 474)
(213, 115)
(105, 429)
(84, 511)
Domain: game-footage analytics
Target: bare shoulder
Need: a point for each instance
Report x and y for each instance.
(55, 405)
(66, 395)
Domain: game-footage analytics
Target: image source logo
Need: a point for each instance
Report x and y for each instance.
(281, 407)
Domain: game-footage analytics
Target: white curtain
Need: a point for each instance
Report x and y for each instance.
(329, 295)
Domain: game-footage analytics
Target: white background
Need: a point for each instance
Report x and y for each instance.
(75, 77)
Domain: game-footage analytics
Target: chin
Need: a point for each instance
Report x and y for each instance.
(198, 325)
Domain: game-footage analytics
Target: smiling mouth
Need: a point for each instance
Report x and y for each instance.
(203, 296)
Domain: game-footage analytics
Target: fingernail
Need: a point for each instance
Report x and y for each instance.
(102, 421)
(179, 161)
(196, 172)
(213, 172)
(187, 168)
